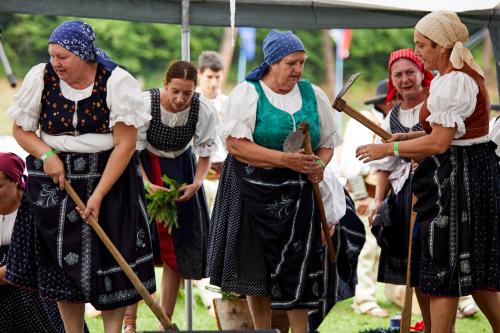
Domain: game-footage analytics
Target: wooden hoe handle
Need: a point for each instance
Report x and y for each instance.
(158, 312)
(317, 196)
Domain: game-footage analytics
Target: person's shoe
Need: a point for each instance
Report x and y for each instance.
(91, 312)
(468, 310)
(377, 311)
(129, 324)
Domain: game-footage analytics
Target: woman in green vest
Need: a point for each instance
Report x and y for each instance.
(265, 239)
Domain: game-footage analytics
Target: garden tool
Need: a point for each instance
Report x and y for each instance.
(293, 143)
(342, 106)
(157, 311)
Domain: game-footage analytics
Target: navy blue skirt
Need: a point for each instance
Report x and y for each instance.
(24, 311)
(340, 278)
(191, 238)
(458, 214)
(54, 251)
(265, 236)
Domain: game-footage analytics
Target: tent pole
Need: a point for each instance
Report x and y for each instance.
(188, 287)
(185, 30)
(495, 39)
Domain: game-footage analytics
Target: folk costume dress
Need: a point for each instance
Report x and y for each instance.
(55, 251)
(265, 229)
(391, 226)
(340, 278)
(22, 310)
(458, 191)
(168, 145)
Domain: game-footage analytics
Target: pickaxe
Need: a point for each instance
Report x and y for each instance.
(342, 106)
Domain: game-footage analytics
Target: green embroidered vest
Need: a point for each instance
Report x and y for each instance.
(273, 125)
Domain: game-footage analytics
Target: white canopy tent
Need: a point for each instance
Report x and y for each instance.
(291, 14)
(309, 14)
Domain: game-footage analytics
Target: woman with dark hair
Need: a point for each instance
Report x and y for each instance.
(87, 110)
(183, 125)
(457, 184)
(408, 84)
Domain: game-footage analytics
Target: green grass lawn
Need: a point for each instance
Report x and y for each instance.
(340, 320)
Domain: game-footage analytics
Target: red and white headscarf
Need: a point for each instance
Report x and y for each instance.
(410, 55)
(13, 167)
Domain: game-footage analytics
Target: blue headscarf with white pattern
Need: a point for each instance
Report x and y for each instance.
(277, 45)
(78, 37)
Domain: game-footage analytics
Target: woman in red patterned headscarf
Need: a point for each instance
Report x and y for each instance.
(457, 184)
(409, 84)
(396, 84)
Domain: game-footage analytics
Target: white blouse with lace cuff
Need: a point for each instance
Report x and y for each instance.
(452, 99)
(123, 99)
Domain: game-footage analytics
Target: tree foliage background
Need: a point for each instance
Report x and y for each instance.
(146, 49)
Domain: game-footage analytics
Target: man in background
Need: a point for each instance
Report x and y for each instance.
(210, 75)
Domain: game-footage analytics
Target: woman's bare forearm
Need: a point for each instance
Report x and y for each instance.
(324, 154)
(202, 169)
(29, 141)
(253, 154)
(383, 185)
(125, 140)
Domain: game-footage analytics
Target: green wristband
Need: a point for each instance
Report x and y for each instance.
(146, 184)
(320, 162)
(395, 147)
(47, 154)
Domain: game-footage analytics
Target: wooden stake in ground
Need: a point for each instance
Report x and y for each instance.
(157, 311)
(406, 314)
(317, 194)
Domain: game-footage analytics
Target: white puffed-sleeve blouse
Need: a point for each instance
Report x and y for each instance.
(204, 142)
(123, 99)
(240, 110)
(452, 99)
(6, 227)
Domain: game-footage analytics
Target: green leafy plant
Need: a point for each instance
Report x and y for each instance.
(162, 206)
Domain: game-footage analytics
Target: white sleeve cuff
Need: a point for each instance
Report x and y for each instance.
(236, 130)
(125, 100)
(447, 119)
(205, 150)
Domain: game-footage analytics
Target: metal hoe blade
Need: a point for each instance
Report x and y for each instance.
(346, 86)
(294, 141)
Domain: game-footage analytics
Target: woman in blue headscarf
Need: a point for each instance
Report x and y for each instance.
(87, 111)
(265, 237)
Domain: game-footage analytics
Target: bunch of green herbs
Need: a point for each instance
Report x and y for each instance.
(162, 206)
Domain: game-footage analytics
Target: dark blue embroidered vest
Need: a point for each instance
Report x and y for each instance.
(396, 126)
(57, 112)
(168, 139)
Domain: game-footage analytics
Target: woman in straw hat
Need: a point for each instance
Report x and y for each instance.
(457, 242)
